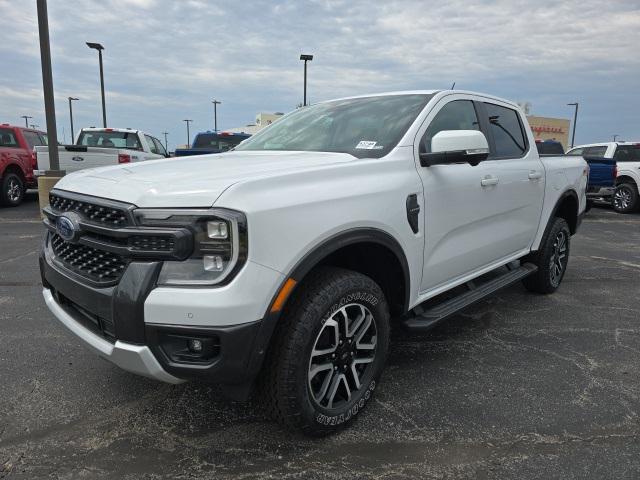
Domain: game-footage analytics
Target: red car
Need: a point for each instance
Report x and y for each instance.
(17, 161)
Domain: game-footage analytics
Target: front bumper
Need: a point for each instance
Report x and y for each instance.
(123, 325)
(133, 358)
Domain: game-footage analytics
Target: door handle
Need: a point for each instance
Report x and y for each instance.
(535, 175)
(489, 180)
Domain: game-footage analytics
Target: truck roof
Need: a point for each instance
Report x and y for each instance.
(602, 144)
(109, 129)
(428, 92)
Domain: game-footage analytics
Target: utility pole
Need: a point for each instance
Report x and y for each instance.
(188, 135)
(71, 115)
(165, 141)
(26, 120)
(215, 114)
(575, 119)
(306, 58)
(615, 136)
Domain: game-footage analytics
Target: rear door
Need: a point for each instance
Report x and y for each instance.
(515, 162)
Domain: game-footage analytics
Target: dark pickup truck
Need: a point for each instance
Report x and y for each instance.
(212, 142)
(602, 178)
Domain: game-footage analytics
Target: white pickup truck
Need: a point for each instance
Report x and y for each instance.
(284, 263)
(100, 147)
(626, 191)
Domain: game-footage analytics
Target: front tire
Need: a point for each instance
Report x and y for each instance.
(328, 353)
(625, 198)
(551, 259)
(12, 190)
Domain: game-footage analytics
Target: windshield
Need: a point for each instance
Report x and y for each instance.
(362, 127)
(109, 139)
(216, 141)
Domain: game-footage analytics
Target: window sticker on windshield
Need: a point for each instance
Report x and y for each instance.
(368, 145)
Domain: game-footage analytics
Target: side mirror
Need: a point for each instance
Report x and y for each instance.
(456, 146)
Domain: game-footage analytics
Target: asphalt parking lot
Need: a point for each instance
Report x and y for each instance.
(520, 386)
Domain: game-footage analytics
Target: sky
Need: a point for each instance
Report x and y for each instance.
(164, 61)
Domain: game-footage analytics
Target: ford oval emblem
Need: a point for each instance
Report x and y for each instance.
(65, 228)
(77, 159)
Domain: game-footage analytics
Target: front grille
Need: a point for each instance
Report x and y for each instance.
(96, 265)
(99, 214)
(152, 243)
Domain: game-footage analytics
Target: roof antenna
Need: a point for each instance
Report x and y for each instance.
(453, 86)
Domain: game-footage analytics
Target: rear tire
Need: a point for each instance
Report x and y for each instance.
(551, 259)
(625, 198)
(328, 352)
(12, 190)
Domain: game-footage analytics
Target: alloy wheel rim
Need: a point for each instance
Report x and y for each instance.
(622, 198)
(13, 190)
(558, 260)
(342, 355)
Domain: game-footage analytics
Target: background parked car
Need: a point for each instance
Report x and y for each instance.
(212, 142)
(625, 196)
(100, 147)
(17, 161)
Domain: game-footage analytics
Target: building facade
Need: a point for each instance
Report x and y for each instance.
(546, 128)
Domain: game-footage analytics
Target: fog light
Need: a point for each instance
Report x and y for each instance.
(217, 230)
(213, 263)
(195, 345)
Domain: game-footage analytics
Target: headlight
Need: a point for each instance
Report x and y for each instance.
(219, 247)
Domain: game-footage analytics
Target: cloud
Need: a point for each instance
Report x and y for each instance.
(166, 60)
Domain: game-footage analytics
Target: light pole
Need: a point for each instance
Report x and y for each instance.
(215, 114)
(306, 58)
(26, 120)
(49, 105)
(615, 136)
(188, 136)
(165, 141)
(71, 115)
(575, 119)
(99, 48)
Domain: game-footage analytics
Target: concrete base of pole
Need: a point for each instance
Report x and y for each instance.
(45, 185)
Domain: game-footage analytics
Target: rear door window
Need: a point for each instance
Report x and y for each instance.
(576, 151)
(8, 138)
(507, 131)
(627, 153)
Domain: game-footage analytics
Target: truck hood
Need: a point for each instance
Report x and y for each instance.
(190, 181)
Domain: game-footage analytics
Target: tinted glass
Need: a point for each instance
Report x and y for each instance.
(549, 148)
(159, 146)
(594, 151)
(33, 139)
(627, 153)
(363, 127)
(152, 146)
(214, 141)
(456, 115)
(507, 131)
(101, 138)
(7, 138)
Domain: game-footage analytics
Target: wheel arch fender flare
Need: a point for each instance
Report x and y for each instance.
(312, 259)
(573, 222)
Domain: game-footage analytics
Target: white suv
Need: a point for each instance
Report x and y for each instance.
(284, 263)
(626, 196)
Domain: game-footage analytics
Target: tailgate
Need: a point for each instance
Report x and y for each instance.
(601, 171)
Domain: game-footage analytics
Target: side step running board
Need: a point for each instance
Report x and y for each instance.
(433, 315)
